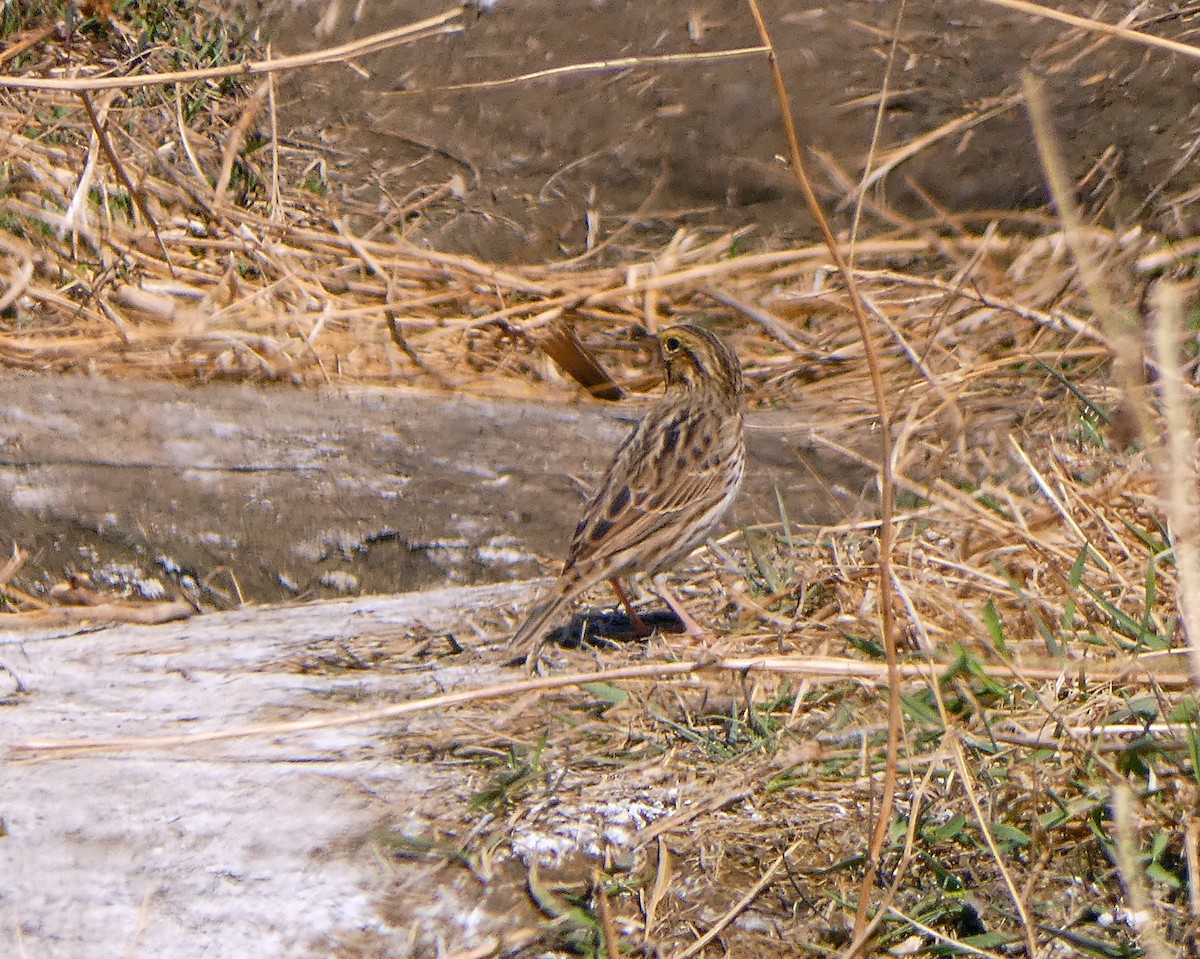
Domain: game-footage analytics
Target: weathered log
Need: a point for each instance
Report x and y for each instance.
(270, 494)
(264, 846)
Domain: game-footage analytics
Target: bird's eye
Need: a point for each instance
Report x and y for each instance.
(672, 344)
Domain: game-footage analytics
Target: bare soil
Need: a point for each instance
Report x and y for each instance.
(533, 160)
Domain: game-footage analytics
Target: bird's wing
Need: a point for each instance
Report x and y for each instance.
(675, 461)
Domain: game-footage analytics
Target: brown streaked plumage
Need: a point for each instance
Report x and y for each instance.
(669, 483)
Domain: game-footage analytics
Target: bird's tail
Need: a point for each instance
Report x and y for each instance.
(528, 638)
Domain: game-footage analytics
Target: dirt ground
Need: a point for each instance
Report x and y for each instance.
(531, 162)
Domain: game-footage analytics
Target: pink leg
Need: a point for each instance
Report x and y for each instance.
(694, 629)
(640, 629)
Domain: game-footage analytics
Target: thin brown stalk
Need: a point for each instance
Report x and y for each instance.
(1178, 471)
(587, 69)
(776, 328)
(235, 140)
(1120, 325)
(118, 167)
(876, 127)
(926, 140)
(275, 211)
(886, 487)
(1129, 867)
(815, 668)
(16, 49)
(740, 906)
(1099, 26)
(968, 785)
(1191, 850)
(969, 788)
(955, 945)
(410, 33)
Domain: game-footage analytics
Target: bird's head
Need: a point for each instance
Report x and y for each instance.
(695, 359)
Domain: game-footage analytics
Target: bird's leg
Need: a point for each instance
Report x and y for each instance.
(694, 629)
(640, 628)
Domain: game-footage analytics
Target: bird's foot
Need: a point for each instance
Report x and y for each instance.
(690, 626)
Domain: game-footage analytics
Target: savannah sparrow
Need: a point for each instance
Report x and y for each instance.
(668, 485)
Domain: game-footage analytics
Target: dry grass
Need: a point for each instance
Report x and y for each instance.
(1049, 773)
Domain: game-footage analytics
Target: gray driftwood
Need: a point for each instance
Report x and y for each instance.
(261, 847)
